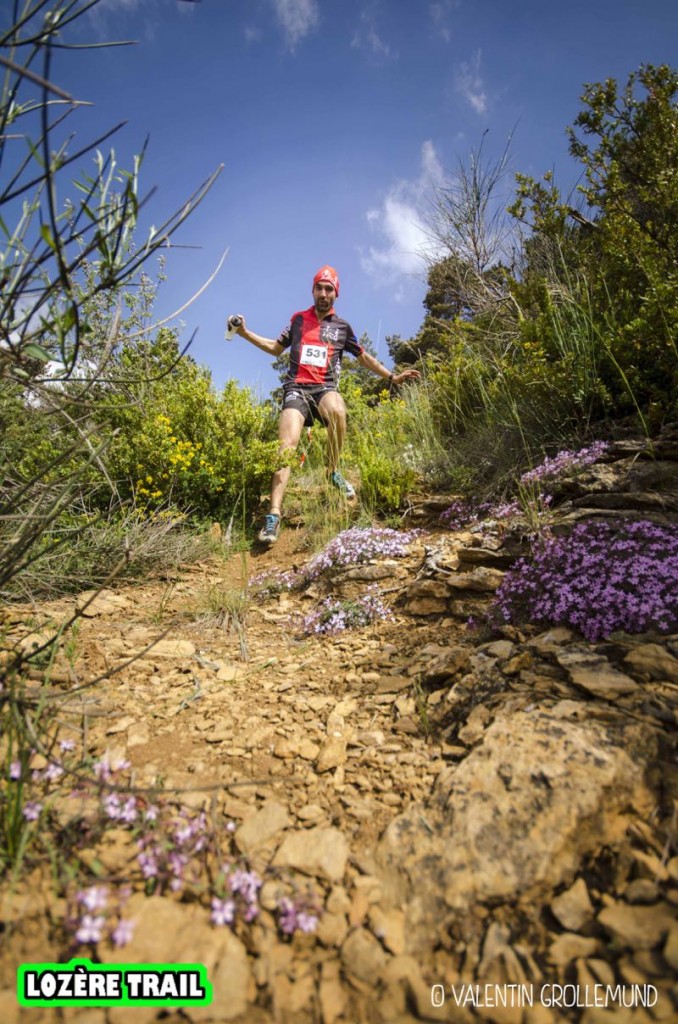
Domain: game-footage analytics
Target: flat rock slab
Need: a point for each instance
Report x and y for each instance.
(592, 672)
(172, 649)
(638, 927)
(320, 852)
(480, 579)
(262, 826)
(652, 661)
(92, 603)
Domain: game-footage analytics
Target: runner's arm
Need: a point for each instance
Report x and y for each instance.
(274, 348)
(370, 363)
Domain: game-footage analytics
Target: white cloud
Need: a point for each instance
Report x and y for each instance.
(110, 18)
(297, 17)
(187, 6)
(440, 13)
(400, 221)
(469, 83)
(367, 38)
(115, 6)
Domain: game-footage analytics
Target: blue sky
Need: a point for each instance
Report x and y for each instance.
(334, 123)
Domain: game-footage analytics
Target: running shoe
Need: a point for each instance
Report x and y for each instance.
(270, 530)
(343, 486)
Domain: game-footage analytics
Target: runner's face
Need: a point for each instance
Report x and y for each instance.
(323, 296)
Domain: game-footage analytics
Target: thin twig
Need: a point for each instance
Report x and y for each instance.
(37, 79)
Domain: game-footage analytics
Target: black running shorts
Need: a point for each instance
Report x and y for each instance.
(306, 401)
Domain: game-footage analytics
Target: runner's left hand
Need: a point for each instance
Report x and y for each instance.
(400, 378)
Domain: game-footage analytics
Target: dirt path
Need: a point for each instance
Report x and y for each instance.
(328, 762)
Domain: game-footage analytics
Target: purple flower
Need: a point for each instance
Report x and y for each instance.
(251, 911)
(288, 916)
(565, 462)
(66, 745)
(53, 771)
(183, 834)
(603, 576)
(223, 911)
(94, 898)
(333, 616)
(306, 922)
(102, 769)
(247, 883)
(112, 805)
(298, 914)
(128, 813)
(122, 933)
(351, 547)
(15, 770)
(32, 810)
(148, 865)
(177, 864)
(90, 929)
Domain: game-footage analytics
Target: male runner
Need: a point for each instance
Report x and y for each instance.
(317, 339)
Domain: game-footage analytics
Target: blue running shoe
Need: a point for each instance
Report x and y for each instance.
(270, 530)
(343, 486)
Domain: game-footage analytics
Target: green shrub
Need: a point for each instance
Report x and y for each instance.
(191, 447)
(379, 449)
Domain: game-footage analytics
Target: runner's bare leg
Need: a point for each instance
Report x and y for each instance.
(290, 426)
(333, 411)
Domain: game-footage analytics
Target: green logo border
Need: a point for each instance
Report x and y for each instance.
(121, 969)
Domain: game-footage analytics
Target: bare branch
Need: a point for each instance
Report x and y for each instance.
(37, 79)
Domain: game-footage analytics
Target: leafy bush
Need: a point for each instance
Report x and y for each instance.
(624, 246)
(377, 446)
(540, 333)
(85, 549)
(185, 444)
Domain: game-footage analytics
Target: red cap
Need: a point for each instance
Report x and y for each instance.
(328, 274)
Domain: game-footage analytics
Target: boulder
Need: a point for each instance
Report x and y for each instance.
(517, 817)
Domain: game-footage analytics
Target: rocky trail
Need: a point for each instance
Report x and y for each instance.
(478, 820)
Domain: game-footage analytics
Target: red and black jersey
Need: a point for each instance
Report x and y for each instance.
(317, 346)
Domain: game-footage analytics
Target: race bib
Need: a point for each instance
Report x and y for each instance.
(313, 355)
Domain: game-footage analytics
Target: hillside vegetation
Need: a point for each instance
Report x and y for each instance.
(546, 324)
